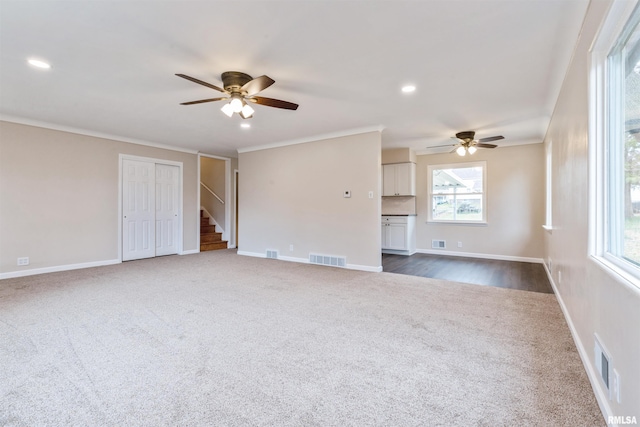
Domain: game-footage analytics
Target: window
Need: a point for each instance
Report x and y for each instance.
(457, 193)
(623, 145)
(616, 118)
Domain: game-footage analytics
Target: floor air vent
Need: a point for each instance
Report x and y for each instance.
(272, 254)
(438, 244)
(334, 261)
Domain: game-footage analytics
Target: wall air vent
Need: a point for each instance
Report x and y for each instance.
(603, 363)
(438, 244)
(272, 254)
(331, 260)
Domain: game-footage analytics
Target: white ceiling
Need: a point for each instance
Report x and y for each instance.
(491, 66)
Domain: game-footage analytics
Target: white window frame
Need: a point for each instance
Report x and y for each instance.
(599, 112)
(460, 165)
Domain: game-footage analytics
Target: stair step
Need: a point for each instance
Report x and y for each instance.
(210, 237)
(213, 246)
(207, 229)
(204, 221)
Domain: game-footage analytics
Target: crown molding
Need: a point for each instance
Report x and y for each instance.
(314, 138)
(86, 132)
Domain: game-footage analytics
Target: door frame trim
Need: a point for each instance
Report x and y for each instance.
(121, 158)
(236, 220)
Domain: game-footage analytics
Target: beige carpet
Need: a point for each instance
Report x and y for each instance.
(217, 339)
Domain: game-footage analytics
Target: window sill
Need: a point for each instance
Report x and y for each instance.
(617, 273)
(548, 229)
(474, 223)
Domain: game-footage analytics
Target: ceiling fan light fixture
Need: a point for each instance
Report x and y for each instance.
(236, 103)
(247, 111)
(227, 109)
(472, 149)
(461, 151)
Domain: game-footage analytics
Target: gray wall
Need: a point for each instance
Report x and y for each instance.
(59, 196)
(293, 195)
(212, 174)
(515, 205)
(595, 300)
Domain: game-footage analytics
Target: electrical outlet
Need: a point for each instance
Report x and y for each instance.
(371, 194)
(23, 261)
(291, 248)
(459, 244)
(559, 277)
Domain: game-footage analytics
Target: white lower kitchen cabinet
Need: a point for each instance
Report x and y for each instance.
(399, 235)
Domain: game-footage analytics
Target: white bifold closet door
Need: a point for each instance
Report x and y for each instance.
(150, 198)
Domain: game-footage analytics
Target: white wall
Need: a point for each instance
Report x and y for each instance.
(293, 195)
(515, 205)
(59, 197)
(594, 300)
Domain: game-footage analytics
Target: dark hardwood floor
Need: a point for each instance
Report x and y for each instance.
(524, 276)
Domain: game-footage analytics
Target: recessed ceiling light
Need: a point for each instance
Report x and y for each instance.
(39, 64)
(245, 125)
(408, 89)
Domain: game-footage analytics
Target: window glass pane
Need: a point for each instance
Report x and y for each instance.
(457, 181)
(625, 210)
(469, 208)
(457, 193)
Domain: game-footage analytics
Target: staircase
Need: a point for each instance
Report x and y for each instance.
(210, 240)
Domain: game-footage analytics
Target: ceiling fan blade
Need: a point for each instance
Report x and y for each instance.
(202, 100)
(257, 85)
(200, 82)
(270, 102)
(454, 150)
(481, 145)
(491, 138)
(441, 146)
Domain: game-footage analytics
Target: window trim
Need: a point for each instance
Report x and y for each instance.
(617, 19)
(457, 165)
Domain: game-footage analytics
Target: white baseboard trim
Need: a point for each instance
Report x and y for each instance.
(57, 268)
(475, 255)
(252, 254)
(365, 268)
(190, 252)
(293, 259)
(601, 397)
(396, 252)
(306, 261)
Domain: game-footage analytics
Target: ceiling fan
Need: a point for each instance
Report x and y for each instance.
(241, 90)
(467, 144)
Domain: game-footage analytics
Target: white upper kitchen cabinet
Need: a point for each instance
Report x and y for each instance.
(399, 179)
